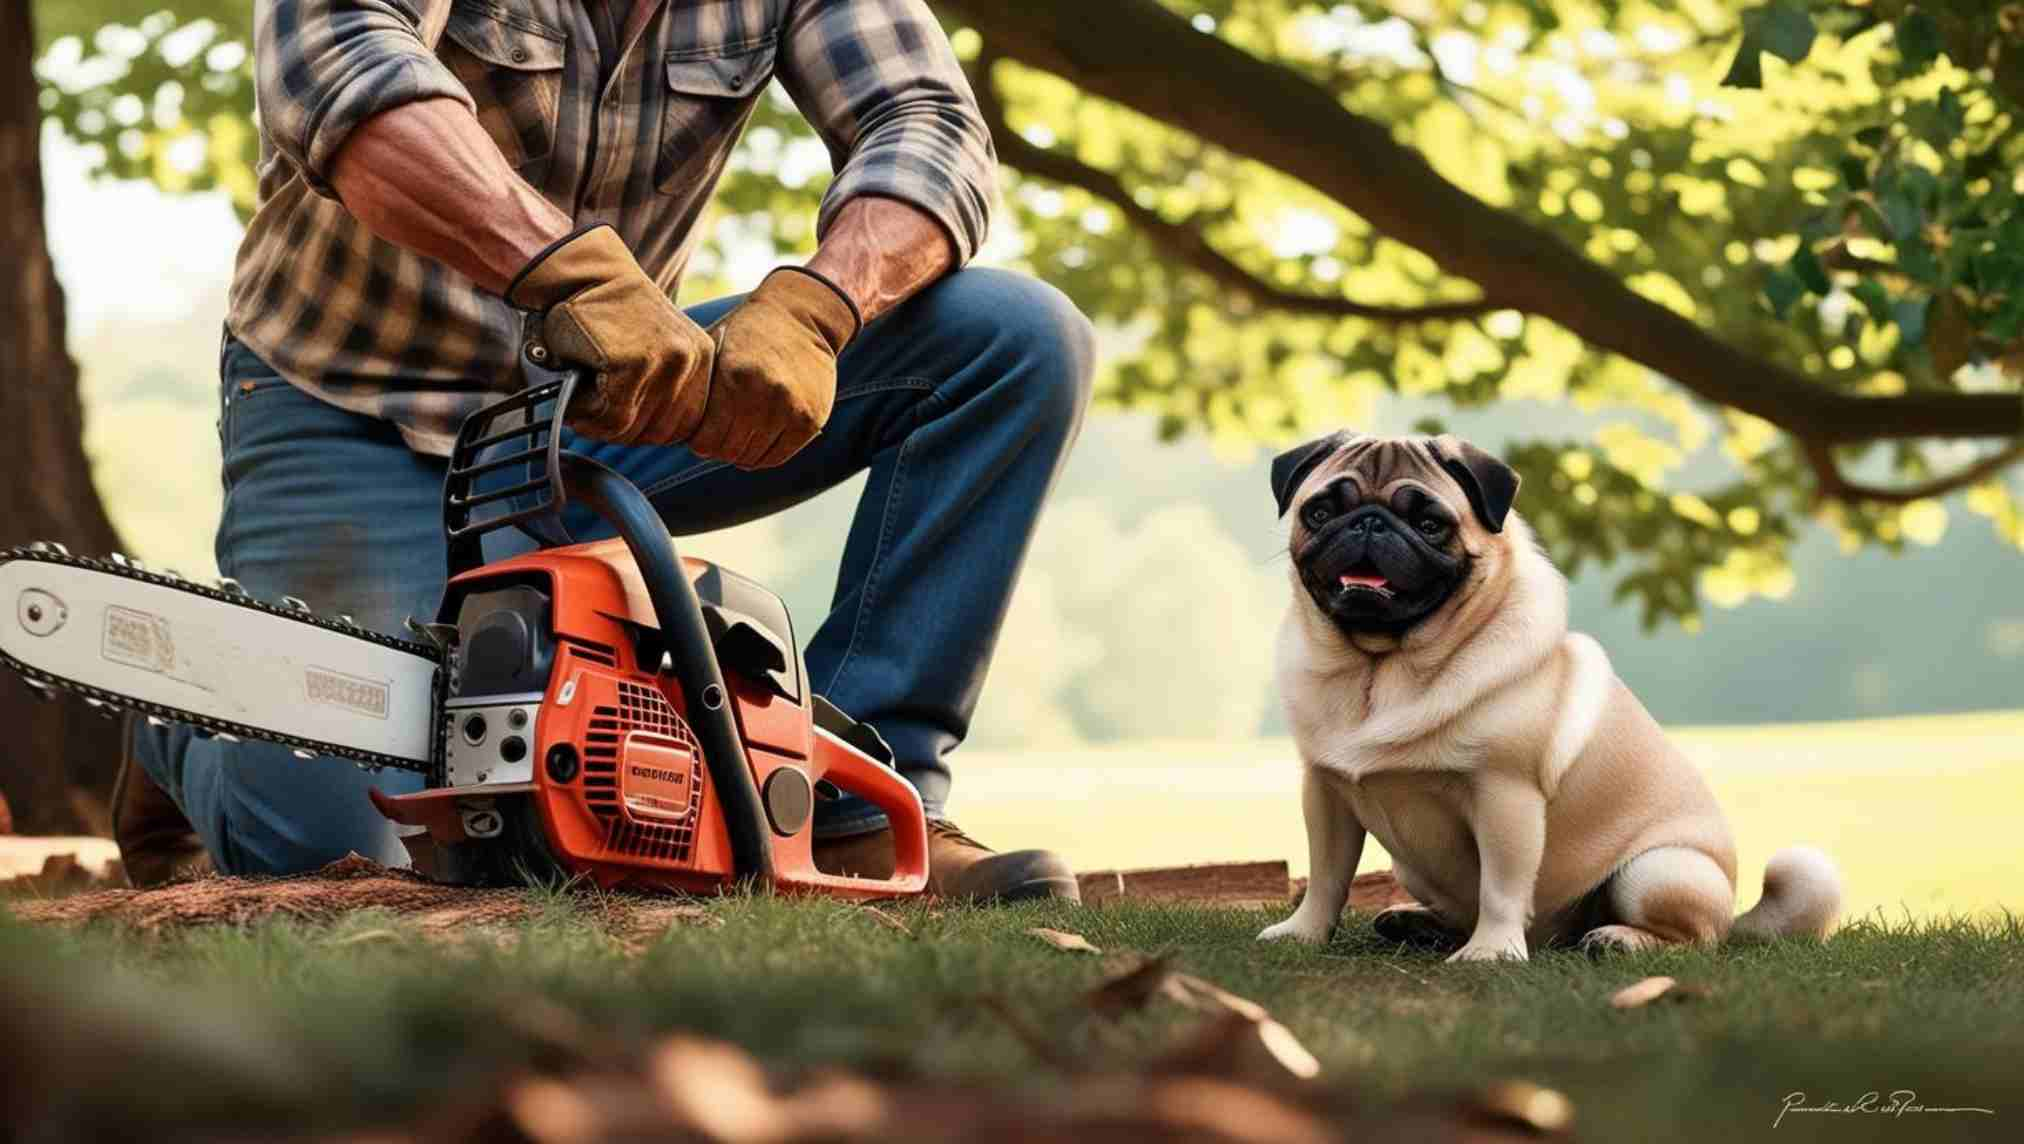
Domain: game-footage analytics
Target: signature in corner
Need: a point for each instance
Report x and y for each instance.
(1895, 1103)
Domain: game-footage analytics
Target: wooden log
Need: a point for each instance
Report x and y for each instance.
(1369, 892)
(1215, 883)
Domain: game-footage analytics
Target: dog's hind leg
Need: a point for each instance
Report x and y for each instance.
(1669, 896)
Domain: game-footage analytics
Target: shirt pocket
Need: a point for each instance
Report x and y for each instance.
(710, 92)
(512, 64)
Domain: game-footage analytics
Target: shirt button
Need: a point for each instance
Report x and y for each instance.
(519, 55)
(737, 80)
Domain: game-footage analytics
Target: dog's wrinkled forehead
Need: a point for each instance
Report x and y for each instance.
(1444, 465)
(1378, 463)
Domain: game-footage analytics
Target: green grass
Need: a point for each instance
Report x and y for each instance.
(386, 1022)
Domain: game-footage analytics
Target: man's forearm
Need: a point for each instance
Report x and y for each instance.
(426, 177)
(883, 251)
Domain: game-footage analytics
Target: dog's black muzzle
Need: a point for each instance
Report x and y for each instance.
(1369, 570)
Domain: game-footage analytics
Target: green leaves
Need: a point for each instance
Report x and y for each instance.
(1910, 316)
(1918, 41)
(1894, 189)
(1781, 28)
(1801, 276)
(1782, 288)
(1806, 265)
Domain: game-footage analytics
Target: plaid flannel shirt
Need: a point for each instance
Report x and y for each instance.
(373, 328)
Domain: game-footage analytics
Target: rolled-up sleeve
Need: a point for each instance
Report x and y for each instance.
(322, 67)
(879, 82)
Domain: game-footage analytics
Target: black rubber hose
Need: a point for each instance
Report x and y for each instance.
(683, 630)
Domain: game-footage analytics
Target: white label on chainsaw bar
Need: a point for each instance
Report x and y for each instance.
(365, 696)
(138, 639)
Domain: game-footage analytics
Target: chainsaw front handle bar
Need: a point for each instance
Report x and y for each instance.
(686, 637)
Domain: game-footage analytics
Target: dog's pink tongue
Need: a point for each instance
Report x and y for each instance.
(1351, 579)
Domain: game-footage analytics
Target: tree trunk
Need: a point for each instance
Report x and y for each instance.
(57, 760)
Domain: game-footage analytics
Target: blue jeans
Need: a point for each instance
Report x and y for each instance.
(962, 404)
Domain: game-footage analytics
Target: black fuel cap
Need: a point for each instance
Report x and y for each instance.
(789, 801)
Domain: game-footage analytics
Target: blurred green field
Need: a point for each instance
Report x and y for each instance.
(1920, 812)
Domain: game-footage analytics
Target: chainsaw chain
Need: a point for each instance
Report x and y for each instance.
(113, 702)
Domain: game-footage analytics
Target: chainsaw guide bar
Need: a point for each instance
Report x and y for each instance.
(378, 690)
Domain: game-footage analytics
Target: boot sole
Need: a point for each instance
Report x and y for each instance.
(1035, 890)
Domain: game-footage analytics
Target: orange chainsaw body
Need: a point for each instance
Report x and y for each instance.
(615, 789)
(613, 712)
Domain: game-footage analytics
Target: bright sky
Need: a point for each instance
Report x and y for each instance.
(126, 249)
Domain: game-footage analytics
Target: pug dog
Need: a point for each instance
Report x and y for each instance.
(1440, 704)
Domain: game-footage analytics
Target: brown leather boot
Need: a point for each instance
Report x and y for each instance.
(156, 843)
(959, 866)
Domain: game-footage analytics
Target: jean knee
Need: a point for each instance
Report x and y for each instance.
(1062, 344)
(273, 814)
(1046, 345)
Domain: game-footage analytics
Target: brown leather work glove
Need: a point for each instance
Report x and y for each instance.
(599, 309)
(775, 375)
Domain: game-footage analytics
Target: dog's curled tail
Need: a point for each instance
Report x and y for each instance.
(1802, 897)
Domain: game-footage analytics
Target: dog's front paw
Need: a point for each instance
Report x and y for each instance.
(1494, 947)
(1297, 929)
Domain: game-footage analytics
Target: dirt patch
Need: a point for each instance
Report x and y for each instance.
(341, 888)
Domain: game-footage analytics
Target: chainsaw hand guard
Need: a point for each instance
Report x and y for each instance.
(506, 465)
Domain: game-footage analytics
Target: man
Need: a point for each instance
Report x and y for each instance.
(440, 180)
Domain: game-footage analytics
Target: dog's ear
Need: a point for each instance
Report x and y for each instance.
(1292, 466)
(1490, 483)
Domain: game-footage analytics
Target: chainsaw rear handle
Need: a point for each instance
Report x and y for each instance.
(854, 772)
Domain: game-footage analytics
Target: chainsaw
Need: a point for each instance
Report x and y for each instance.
(610, 711)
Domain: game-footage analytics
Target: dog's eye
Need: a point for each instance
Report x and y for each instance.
(1317, 514)
(1433, 527)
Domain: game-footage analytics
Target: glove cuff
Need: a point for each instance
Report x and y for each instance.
(578, 260)
(812, 296)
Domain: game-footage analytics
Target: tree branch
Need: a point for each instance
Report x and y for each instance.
(1185, 244)
(1139, 55)
(1832, 485)
(1837, 257)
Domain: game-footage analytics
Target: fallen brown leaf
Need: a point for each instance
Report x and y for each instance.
(1061, 940)
(1275, 1039)
(1131, 990)
(1286, 1048)
(1235, 1047)
(1221, 998)
(1642, 993)
(887, 920)
(1040, 1043)
(1524, 1103)
(365, 936)
(716, 1089)
(1242, 1038)
(1199, 1107)
(837, 1105)
(1652, 988)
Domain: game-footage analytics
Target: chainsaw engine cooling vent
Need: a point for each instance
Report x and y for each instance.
(651, 809)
